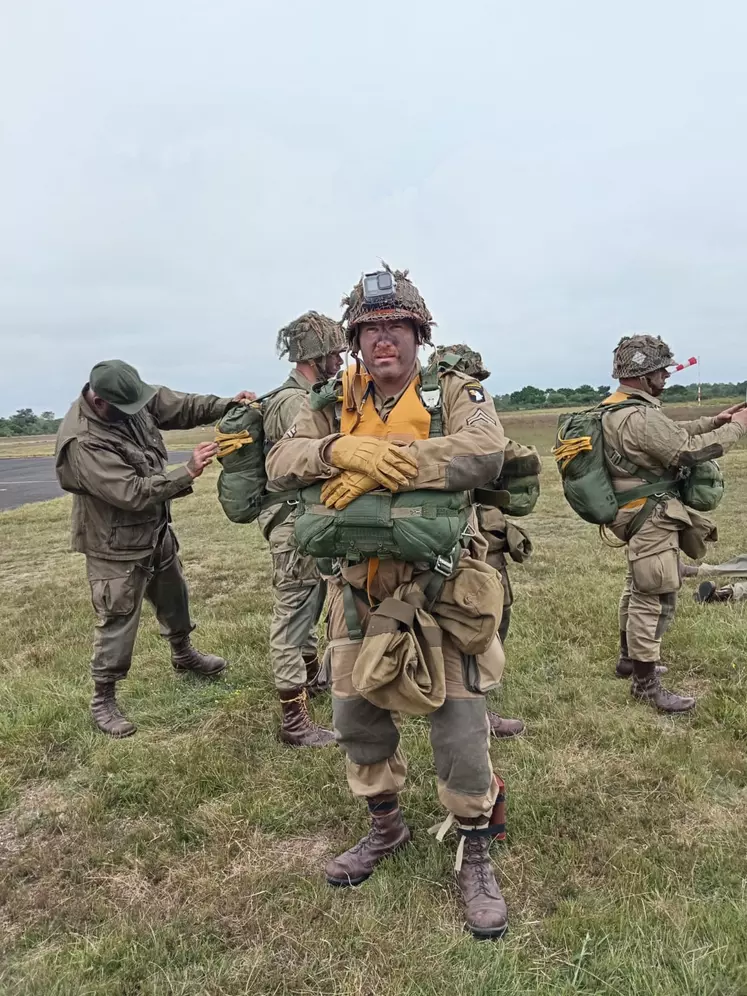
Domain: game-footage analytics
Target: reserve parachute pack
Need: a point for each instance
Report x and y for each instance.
(242, 484)
(517, 489)
(587, 485)
(415, 526)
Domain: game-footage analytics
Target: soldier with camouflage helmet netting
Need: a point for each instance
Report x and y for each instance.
(312, 342)
(387, 444)
(502, 535)
(643, 446)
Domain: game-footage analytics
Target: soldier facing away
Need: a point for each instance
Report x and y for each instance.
(111, 455)
(387, 448)
(501, 536)
(643, 446)
(313, 343)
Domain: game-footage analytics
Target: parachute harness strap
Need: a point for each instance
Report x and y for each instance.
(230, 442)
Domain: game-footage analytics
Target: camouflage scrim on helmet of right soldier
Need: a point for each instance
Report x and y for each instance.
(638, 355)
(407, 303)
(310, 337)
(470, 361)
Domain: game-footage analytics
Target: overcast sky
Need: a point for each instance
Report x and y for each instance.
(180, 179)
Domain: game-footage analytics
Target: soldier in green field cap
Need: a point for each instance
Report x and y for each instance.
(111, 456)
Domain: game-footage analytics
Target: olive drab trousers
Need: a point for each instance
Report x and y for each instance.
(118, 589)
(649, 598)
(369, 735)
(298, 601)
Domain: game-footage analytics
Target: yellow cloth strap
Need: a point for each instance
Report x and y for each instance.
(230, 442)
(570, 448)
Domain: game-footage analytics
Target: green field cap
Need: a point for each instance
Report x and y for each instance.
(118, 383)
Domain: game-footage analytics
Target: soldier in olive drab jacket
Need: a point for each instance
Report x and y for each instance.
(313, 342)
(377, 438)
(493, 524)
(110, 454)
(643, 445)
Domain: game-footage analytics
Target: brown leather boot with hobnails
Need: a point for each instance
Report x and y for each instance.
(624, 667)
(485, 911)
(297, 728)
(646, 687)
(502, 728)
(184, 657)
(388, 834)
(105, 711)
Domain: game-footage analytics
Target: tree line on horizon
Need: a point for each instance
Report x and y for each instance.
(26, 423)
(586, 395)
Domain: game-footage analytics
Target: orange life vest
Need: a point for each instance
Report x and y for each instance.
(407, 421)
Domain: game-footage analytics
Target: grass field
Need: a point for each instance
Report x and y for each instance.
(187, 859)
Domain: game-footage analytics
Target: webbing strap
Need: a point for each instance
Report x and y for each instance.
(495, 499)
(659, 487)
(352, 619)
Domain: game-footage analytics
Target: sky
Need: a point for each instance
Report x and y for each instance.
(178, 180)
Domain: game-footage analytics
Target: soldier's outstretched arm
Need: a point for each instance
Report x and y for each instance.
(298, 458)
(470, 454)
(674, 446)
(174, 410)
(100, 471)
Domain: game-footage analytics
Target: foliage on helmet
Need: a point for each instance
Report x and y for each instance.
(638, 355)
(470, 361)
(408, 303)
(310, 337)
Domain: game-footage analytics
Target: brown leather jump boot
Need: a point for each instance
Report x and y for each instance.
(708, 592)
(184, 657)
(485, 909)
(502, 728)
(297, 728)
(388, 833)
(646, 687)
(624, 667)
(105, 711)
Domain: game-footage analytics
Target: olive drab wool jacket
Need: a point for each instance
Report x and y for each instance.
(117, 471)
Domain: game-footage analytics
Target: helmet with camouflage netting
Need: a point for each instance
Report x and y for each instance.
(310, 337)
(470, 361)
(638, 355)
(386, 295)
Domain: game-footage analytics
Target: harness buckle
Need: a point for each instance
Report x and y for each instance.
(443, 566)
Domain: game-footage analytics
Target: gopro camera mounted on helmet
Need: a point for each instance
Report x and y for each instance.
(379, 288)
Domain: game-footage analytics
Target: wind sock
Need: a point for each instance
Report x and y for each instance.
(683, 366)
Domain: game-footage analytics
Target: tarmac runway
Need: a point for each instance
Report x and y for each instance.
(33, 479)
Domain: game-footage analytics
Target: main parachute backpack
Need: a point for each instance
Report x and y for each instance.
(580, 455)
(242, 484)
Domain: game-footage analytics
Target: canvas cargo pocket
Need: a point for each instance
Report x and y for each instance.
(657, 574)
(518, 543)
(483, 672)
(470, 606)
(114, 587)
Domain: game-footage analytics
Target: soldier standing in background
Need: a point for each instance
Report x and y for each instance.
(313, 343)
(111, 455)
(646, 450)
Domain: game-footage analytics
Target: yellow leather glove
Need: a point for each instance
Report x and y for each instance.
(349, 485)
(390, 465)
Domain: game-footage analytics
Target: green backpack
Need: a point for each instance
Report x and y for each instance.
(703, 486)
(580, 455)
(242, 484)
